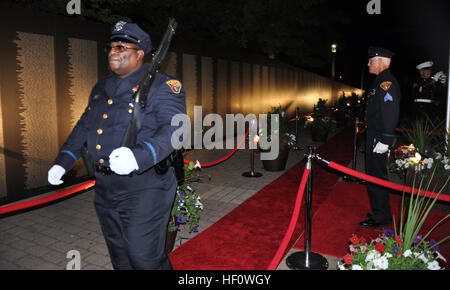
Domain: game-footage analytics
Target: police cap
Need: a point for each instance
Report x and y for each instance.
(131, 32)
(379, 52)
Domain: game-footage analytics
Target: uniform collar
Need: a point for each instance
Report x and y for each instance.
(130, 81)
(382, 74)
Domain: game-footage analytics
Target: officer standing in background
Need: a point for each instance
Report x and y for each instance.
(427, 93)
(382, 115)
(132, 201)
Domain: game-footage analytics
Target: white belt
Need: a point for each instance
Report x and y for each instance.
(423, 101)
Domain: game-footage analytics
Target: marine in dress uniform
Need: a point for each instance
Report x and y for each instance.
(382, 114)
(426, 93)
(132, 201)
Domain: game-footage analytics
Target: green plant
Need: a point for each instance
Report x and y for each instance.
(187, 203)
(404, 248)
(287, 139)
(427, 151)
(320, 118)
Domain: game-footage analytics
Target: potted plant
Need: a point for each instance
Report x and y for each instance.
(186, 206)
(405, 247)
(319, 122)
(426, 154)
(287, 141)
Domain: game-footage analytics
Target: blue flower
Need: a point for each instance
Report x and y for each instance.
(195, 230)
(390, 233)
(180, 219)
(436, 248)
(416, 241)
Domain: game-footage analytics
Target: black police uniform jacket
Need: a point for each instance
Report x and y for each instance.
(383, 106)
(104, 122)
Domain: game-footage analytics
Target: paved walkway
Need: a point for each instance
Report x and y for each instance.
(41, 238)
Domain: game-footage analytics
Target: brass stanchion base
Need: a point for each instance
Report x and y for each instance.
(251, 174)
(297, 261)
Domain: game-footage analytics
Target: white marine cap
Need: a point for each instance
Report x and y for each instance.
(426, 64)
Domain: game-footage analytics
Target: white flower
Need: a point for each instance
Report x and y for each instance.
(198, 204)
(421, 256)
(441, 257)
(388, 255)
(372, 255)
(357, 267)
(433, 265)
(428, 162)
(197, 164)
(381, 263)
(407, 253)
(341, 266)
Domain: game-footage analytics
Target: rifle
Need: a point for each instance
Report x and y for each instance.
(140, 96)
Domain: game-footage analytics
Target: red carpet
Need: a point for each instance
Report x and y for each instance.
(339, 216)
(248, 237)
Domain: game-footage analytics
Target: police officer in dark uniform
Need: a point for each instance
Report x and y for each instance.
(132, 201)
(382, 114)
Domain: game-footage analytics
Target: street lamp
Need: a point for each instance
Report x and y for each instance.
(333, 61)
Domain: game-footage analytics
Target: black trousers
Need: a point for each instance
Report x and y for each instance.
(376, 165)
(134, 220)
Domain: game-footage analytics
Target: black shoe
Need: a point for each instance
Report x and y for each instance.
(373, 224)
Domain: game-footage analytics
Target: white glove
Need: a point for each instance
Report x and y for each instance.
(55, 173)
(381, 148)
(440, 77)
(122, 161)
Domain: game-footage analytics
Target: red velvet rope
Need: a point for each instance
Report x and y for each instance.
(287, 237)
(388, 184)
(35, 202)
(212, 163)
(39, 201)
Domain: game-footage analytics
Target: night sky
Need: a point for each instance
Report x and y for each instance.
(299, 31)
(415, 30)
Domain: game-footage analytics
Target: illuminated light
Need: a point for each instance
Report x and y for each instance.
(416, 159)
(256, 139)
(333, 48)
(411, 147)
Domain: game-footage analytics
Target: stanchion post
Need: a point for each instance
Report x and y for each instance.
(307, 260)
(252, 172)
(296, 125)
(349, 178)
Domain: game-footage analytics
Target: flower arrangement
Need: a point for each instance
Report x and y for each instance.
(386, 252)
(187, 203)
(427, 151)
(407, 158)
(402, 249)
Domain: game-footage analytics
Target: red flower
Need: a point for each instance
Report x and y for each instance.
(362, 240)
(348, 259)
(354, 240)
(399, 241)
(380, 248)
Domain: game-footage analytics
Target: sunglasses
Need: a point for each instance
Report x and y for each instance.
(118, 48)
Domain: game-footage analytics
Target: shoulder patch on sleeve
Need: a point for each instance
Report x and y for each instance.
(388, 97)
(175, 86)
(385, 86)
